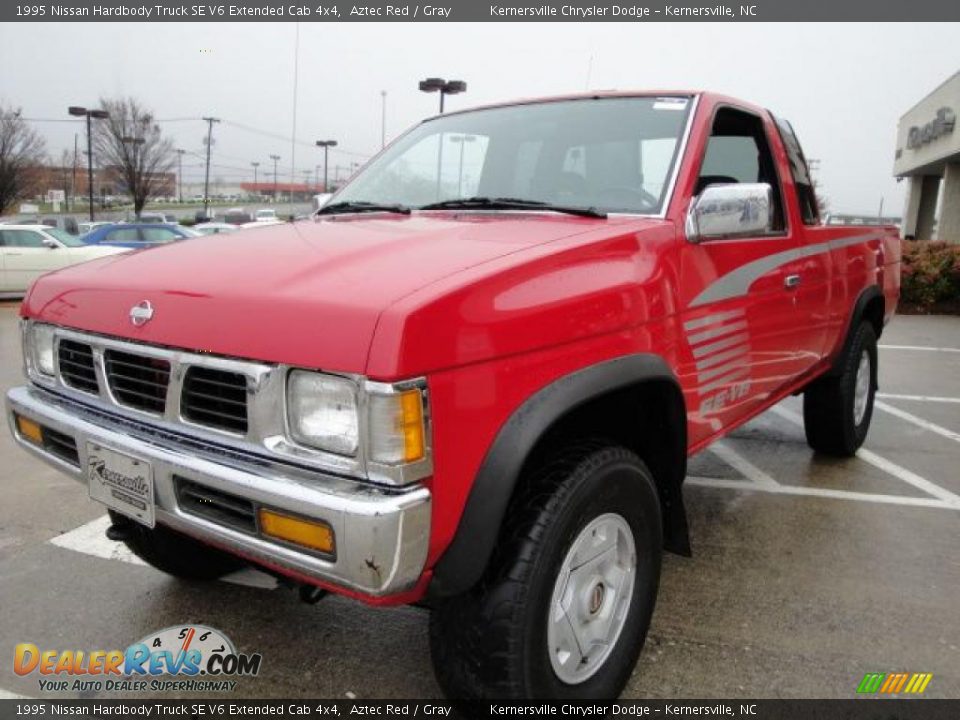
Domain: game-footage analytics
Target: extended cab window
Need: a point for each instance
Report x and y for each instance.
(614, 154)
(738, 152)
(806, 192)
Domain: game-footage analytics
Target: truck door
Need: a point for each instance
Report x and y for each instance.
(739, 316)
(810, 274)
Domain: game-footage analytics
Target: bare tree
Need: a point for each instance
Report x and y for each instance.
(131, 144)
(22, 153)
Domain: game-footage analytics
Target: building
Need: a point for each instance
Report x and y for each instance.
(107, 182)
(928, 157)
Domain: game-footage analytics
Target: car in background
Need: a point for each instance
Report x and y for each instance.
(156, 217)
(29, 251)
(85, 227)
(65, 223)
(138, 235)
(265, 215)
(320, 200)
(258, 224)
(237, 216)
(215, 228)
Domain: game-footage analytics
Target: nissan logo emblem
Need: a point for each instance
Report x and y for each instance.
(141, 313)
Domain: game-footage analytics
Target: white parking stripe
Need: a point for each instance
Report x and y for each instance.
(918, 421)
(7, 695)
(90, 539)
(919, 398)
(739, 463)
(919, 347)
(889, 467)
(823, 492)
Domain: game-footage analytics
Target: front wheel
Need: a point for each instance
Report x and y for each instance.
(563, 609)
(837, 410)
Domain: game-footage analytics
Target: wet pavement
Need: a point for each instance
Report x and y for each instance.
(807, 572)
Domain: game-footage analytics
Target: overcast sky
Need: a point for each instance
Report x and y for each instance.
(843, 86)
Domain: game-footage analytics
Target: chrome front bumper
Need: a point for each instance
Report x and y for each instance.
(381, 536)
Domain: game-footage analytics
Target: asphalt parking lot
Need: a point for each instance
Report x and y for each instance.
(807, 572)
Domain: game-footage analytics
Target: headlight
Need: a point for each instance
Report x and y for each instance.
(40, 339)
(322, 412)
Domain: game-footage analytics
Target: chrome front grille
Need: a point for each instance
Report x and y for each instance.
(215, 398)
(137, 381)
(77, 366)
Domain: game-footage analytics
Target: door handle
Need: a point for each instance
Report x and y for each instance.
(791, 281)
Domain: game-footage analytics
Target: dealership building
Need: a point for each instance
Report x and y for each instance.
(928, 158)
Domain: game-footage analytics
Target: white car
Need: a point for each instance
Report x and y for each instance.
(29, 251)
(215, 228)
(265, 215)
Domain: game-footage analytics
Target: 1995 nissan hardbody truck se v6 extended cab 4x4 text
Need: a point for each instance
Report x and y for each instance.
(473, 379)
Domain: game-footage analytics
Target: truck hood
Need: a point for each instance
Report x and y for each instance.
(307, 293)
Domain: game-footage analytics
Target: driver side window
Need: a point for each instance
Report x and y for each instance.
(738, 152)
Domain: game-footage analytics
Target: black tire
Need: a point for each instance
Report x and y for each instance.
(829, 418)
(174, 553)
(491, 642)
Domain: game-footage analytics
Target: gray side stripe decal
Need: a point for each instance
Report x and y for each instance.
(737, 282)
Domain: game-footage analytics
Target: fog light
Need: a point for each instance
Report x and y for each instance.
(314, 534)
(29, 430)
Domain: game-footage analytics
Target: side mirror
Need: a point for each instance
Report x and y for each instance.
(729, 211)
(50, 244)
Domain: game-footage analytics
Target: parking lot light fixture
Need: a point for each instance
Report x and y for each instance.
(326, 145)
(77, 111)
(444, 87)
(276, 159)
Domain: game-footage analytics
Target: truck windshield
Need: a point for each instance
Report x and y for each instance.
(611, 154)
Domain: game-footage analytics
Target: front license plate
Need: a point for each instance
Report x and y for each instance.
(121, 482)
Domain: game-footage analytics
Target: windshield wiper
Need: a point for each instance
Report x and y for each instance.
(505, 203)
(361, 206)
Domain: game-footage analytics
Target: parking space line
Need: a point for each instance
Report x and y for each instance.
(739, 463)
(919, 398)
(7, 695)
(90, 539)
(925, 348)
(918, 421)
(889, 467)
(823, 492)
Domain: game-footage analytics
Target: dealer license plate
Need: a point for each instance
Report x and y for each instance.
(121, 482)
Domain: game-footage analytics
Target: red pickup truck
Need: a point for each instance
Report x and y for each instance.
(473, 379)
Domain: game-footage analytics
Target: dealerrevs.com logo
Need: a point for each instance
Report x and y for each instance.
(177, 658)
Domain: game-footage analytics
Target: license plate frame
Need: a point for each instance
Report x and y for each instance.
(122, 482)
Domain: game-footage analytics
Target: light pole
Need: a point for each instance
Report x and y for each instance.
(180, 175)
(444, 87)
(100, 115)
(275, 159)
(383, 119)
(326, 145)
(462, 141)
(136, 142)
(255, 188)
(206, 177)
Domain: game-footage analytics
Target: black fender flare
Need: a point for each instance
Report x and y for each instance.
(465, 559)
(867, 295)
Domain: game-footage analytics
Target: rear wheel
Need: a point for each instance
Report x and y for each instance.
(174, 553)
(564, 607)
(837, 410)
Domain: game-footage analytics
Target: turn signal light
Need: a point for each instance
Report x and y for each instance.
(29, 430)
(314, 534)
